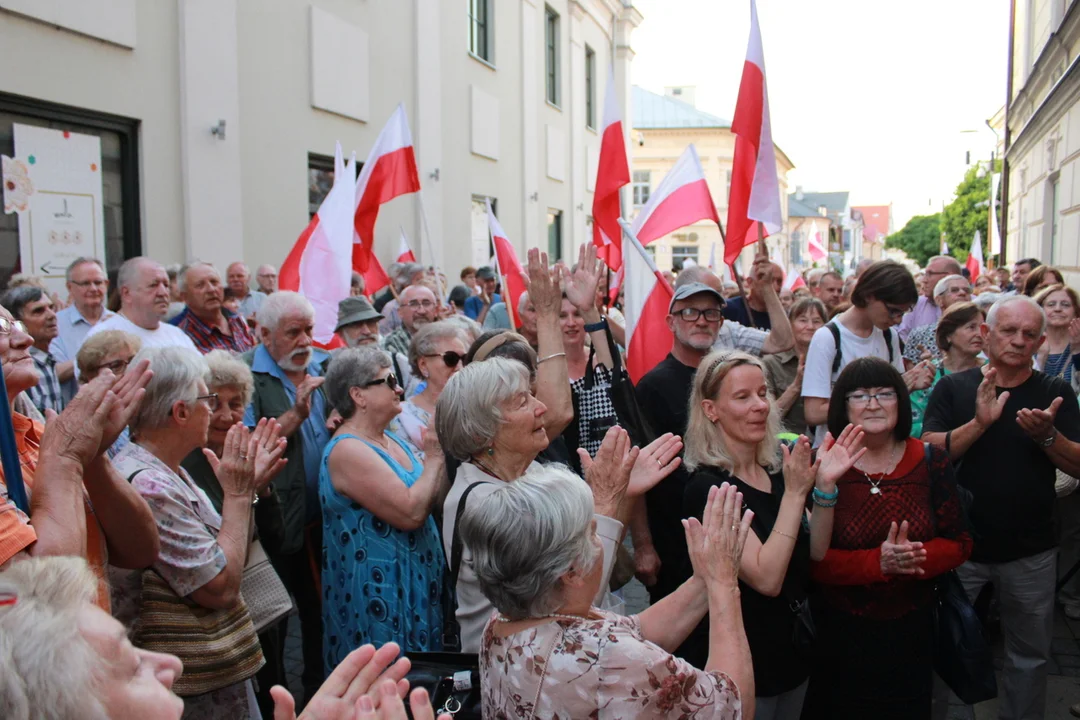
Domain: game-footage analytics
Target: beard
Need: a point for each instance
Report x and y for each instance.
(295, 361)
(697, 341)
(362, 340)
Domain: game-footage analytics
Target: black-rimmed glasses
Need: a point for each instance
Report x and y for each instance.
(211, 401)
(692, 314)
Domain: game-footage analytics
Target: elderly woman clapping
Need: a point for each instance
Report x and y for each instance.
(203, 552)
(383, 566)
(488, 418)
(66, 659)
(534, 549)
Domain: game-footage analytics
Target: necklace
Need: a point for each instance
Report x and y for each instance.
(875, 487)
(483, 466)
(382, 440)
(576, 618)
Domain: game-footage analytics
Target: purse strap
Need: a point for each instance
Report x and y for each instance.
(455, 539)
(758, 526)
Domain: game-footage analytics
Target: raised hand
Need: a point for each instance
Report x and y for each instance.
(988, 404)
(761, 274)
(75, 434)
(354, 678)
(581, 283)
(269, 448)
(608, 474)
(235, 469)
(303, 394)
(384, 703)
(129, 391)
(836, 458)
(716, 543)
(655, 462)
(543, 285)
(430, 441)
(646, 565)
(1038, 424)
(921, 376)
(799, 472)
(899, 556)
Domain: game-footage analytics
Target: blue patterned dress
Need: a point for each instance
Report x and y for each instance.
(380, 584)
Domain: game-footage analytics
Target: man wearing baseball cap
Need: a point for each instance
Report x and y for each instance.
(478, 305)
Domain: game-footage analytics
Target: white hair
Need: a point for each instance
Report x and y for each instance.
(181, 277)
(524, 537)
(227, 370)
(281, 304)
(177, 372)
(352, 367)
(129, 271)
(81, 261)
(991, 317)
(468, 413)
(50, 670)
(523, 302)
(943, 284)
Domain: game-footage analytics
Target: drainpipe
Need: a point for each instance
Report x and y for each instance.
(1003, 258)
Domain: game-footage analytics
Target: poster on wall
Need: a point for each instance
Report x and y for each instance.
(54, 186)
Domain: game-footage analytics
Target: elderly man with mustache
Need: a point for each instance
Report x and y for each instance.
(210, 325)
(288, 372)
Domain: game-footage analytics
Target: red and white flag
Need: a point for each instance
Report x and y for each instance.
(405, 253)
(648, 297)
(974, 262)
(755, 188)
(319, 265)
(793, 280)
(509, 266)
(682, 198)
(390, 171)
(612, 172)
(816, 249)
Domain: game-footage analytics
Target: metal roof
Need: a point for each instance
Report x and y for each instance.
(657, 112)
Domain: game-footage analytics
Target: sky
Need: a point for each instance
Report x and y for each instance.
(868, 96)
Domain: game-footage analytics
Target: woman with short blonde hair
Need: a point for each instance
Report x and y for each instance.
(112, 349)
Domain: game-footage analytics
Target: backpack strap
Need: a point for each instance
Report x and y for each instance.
(888, 344)
(455, 540)
(835, 330)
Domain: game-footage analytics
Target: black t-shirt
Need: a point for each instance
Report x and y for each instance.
(1010, 477)
(663, 396)
(735, 309)
(769, 621)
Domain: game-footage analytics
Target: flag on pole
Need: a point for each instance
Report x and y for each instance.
(793, 280)
(814, 246)
(974, 262)
(612, 172)
(995, 230)
(944, 245)
(712, 257)
(509, 266)
(390, 171)
(405, 253)
(648, 297)
(682, 198)
(319, 265)
(755, 188)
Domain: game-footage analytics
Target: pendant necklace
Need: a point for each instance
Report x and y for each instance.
(875, 487)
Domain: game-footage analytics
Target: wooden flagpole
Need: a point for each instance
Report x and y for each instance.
(735, 271)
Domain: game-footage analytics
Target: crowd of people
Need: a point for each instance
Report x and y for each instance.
(791, 484)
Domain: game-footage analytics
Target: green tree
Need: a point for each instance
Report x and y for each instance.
(970, 211)
(920, 238)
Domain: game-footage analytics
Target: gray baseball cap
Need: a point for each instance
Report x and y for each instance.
(695, 288)
(355, 309)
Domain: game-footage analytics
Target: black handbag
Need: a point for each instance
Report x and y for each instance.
(962, 656)
(452, 680)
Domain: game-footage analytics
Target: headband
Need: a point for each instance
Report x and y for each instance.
(498, 341)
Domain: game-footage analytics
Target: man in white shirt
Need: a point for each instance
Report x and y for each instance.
(87, 286)
(144, 300)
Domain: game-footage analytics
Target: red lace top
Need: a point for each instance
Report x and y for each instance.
(922, 493)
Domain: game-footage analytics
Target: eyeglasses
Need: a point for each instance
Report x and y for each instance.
(9, 326)
(449, 357)
(88, 283)
(692, 314)
(417, 304)
(116, 366)
(211, 401)
(896, 311)
(390, 380)
(862, 399)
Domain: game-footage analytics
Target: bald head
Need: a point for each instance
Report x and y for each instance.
(239, 279)
(144, 292)
(266, 278)
(417, 306)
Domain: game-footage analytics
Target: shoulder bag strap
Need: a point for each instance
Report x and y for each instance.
(836, 339)
(455, 540)
(888, 343)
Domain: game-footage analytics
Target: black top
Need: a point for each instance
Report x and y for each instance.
(663, 396)
(1010, 477)
(735, 309)
(769, 621)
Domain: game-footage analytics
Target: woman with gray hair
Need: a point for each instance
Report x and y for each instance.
(203, 552)
(382, 573)
(436, 352)
(549, 653)
(489, 419)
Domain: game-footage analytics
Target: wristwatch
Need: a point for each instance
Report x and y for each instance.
(1049, 440)
(596, 326)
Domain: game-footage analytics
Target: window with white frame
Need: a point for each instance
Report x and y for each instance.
(681, 253)
(481, 29)
(642, 187)
(551, 55)
(590, 87)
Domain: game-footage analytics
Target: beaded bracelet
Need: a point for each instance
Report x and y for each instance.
(819, 495)
(824, 504)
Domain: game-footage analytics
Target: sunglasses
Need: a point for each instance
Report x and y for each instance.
(451, 358)
(390, 381)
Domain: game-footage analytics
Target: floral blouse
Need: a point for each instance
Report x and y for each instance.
(600, 668)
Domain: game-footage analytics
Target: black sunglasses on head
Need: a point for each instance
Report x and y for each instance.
(390, 380)
(451, 358)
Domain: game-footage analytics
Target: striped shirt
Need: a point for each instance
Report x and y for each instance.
(207, 337)
(46, 395)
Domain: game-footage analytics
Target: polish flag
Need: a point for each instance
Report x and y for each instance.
(405, 253)
(509, 266)
(682, 198)
(319, 266)
(817, 251)
(648, 297)
(793, 280)
(974, 262)
(390, 171)
(755, 189)
(613, 171)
